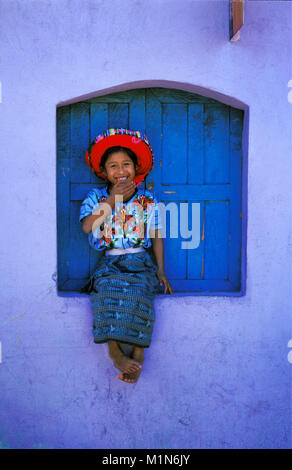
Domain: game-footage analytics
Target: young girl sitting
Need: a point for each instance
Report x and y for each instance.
(122, 221)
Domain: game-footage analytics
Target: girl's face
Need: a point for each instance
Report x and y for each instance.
(119, 167)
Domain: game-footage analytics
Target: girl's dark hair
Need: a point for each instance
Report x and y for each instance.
(117, 148)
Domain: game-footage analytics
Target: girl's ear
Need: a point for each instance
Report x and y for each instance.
(103, 170)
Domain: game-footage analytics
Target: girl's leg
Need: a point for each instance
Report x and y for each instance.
(123, 363)
(127, 349)
(138, 354)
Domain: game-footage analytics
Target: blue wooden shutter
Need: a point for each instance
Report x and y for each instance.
(197, 150)
(197, 142)
(77, 125)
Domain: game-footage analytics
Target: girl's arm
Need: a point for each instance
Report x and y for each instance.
(98, 216)
(123, 190)
(158, 249)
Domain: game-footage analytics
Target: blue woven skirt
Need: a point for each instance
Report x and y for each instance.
(122, 291)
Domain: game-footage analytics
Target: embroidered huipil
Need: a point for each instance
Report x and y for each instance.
(128, 225)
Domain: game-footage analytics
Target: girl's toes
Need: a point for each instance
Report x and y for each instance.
(123, 377)
(135, 366)
(130, 379)
(126, 378)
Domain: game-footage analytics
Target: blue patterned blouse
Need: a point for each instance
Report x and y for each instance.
(129, 224)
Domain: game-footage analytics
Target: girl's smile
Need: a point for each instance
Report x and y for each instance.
(119, 167)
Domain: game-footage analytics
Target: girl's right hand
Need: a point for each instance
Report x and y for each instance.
(123, 189)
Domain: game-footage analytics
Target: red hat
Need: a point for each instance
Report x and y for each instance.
(133, 140)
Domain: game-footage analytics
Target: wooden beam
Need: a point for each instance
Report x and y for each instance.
(235, 19)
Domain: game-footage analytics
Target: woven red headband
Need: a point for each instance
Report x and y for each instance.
(133, 140)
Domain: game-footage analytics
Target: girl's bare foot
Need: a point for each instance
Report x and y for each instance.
(123, 363)
(132, 377)
(126, 364)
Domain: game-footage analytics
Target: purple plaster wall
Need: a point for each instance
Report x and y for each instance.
(217, 373)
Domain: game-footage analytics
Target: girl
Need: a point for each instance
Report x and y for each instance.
(122, 221)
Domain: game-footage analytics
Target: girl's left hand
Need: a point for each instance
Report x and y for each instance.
(163, 281)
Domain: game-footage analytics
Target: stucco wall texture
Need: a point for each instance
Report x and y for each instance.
(217, 373)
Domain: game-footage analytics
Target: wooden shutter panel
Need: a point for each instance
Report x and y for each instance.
(197, 142)
(77, 125)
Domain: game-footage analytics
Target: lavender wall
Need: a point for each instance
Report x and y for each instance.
(217, 374)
